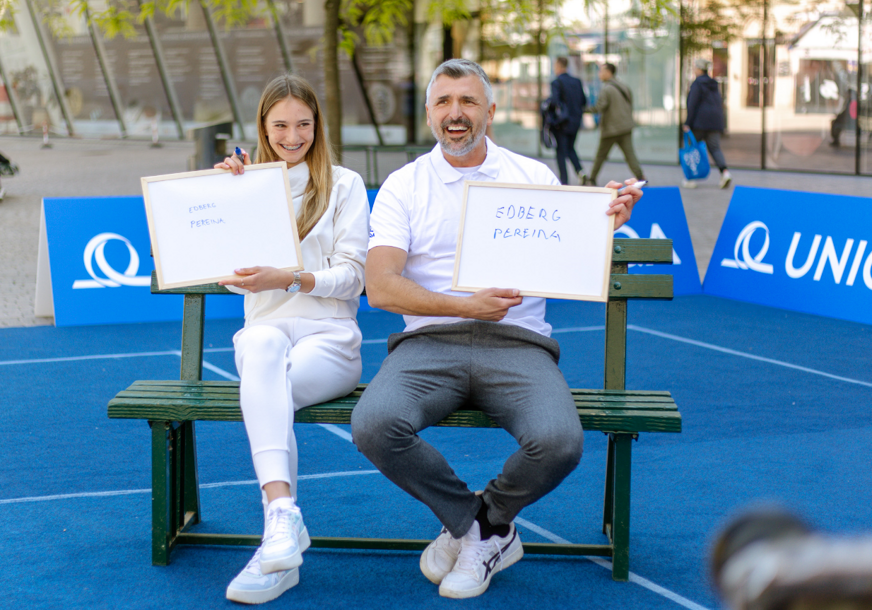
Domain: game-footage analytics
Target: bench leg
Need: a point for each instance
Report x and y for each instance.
(621, 510)
(609, 501)
(161, 457)
(191, 480)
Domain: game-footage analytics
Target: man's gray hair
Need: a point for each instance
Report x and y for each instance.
(458, 68)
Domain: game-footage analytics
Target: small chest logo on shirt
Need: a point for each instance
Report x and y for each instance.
(371, 233)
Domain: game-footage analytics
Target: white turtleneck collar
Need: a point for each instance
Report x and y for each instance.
(298, 176)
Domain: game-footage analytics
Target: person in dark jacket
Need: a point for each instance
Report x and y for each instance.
(567, 93)
(705, 118)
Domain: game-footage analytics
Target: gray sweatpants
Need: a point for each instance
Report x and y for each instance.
(511, 374)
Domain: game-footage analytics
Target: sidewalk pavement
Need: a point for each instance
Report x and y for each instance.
(80, 168)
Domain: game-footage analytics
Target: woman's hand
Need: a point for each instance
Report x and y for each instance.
(259, 279)
(234, 163)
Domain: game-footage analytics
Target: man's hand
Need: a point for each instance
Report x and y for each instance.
(621, 207)
(491, 304)
(685, 128)
(388, 289)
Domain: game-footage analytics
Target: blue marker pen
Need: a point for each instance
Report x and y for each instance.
(238, 153)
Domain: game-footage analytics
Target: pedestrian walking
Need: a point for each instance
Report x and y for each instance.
(567, 94)
(705, 118)
(615, 107)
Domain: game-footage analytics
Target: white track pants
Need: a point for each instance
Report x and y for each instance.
(285, 365)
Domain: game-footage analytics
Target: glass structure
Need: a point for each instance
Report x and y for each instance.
(794, 74)
(795, 86)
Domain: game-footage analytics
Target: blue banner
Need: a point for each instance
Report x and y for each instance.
(99, 253)
(658, 215)
(805, 252)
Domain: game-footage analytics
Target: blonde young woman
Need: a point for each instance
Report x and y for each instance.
(300, 344)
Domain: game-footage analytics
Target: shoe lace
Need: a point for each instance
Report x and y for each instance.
(279, 523)
(471, 554)
(253, 565)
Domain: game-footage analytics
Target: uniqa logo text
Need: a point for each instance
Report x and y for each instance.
(838, 263)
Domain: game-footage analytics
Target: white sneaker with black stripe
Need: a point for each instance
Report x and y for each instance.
(439, 557)
(251, 586)
(479, 560)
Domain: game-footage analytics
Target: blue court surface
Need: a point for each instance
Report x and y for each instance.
(776, 408)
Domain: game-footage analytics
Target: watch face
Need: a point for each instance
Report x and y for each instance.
(295, 285)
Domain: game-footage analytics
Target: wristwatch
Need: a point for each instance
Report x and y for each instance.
(296, 284)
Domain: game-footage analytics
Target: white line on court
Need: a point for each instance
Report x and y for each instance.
(127, 492)
(93, 357)
(218, 371)
(642, 582)
(733, 352)
(337, 431)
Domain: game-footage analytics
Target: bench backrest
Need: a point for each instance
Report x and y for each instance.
(622, 286)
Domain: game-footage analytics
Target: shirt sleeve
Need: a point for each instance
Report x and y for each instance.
(390, 224)
(343, 279)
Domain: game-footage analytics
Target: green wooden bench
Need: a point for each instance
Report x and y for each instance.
(172, 407)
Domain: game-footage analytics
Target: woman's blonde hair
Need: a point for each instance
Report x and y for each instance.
(320, 156)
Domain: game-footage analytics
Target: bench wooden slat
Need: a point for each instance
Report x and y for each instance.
(194, 400)
(626, 250)
(631, 286)
(232, 386)
(192, 405)
(607, 410)
(607, 420)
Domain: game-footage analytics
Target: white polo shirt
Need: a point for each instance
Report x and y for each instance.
(417, 209)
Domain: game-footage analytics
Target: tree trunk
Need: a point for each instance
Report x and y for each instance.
(412, 126)
(540, 50)
(333, 95)
(447, 42)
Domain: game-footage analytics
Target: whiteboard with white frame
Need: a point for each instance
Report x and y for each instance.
(205, 224)
(546, 241)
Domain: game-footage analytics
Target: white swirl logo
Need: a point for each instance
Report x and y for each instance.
(742, 251)
(96, 250)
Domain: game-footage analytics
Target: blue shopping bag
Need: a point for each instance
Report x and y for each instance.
(694, 158)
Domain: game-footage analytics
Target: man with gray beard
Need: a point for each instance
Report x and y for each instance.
(492, 348)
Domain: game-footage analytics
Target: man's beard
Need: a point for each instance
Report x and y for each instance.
(449, 146)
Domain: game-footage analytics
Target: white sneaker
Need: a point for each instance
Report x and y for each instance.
(251, 586)
(688, 184)
(439, 557)
(479, 560)
(285, 537)
(726, 178)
